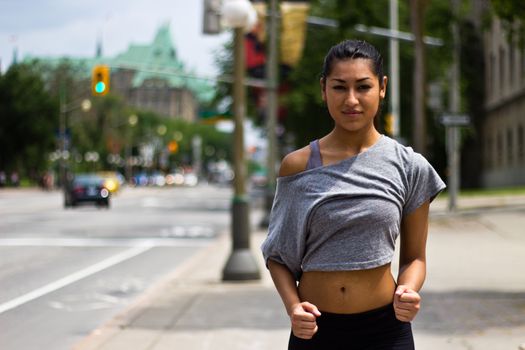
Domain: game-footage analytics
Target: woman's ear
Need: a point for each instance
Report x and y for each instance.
(382, 90)
(323, 89)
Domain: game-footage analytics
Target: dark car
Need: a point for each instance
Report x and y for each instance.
(86, 188)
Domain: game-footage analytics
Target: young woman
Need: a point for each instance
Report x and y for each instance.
(340, 205)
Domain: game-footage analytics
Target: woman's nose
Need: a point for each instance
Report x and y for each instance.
(351, 98)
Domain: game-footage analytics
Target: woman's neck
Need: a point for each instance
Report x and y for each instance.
(350, 142)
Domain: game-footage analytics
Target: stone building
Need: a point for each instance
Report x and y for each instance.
(504, 125)
(149, 77)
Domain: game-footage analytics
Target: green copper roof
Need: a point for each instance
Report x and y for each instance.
(155, 60)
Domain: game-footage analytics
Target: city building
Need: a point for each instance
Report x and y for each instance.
(503, 131)
(149, 77)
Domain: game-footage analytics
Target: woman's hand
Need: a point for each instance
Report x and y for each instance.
(406, 303)
(303, 318)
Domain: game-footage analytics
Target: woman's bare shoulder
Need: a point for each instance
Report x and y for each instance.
(295, 162)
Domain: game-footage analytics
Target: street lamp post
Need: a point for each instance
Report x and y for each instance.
(241, 264)
(271, 111)
(132, 121)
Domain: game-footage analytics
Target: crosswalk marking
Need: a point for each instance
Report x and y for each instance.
(101, 242)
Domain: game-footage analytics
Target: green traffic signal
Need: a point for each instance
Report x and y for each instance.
(100, 80)
(100, 87)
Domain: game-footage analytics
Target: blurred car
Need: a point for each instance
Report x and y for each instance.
(259, 179)
(157, 179)
(175, 179)
(191, 179)
(113, 180)
(139, 179)
(86, 188)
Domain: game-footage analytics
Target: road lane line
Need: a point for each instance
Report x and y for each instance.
(106, 242)
(51, 287)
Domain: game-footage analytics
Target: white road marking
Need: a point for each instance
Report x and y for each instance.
(103, 242)
(51, 287)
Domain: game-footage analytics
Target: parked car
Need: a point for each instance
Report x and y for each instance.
(86, 189)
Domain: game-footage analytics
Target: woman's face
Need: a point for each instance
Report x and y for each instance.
(352, 93)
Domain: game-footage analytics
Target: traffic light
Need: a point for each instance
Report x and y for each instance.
(173, 146)
(100, 80)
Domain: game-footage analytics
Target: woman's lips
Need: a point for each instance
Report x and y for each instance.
(352, 113)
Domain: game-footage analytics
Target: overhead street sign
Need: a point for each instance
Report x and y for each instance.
(455, 120)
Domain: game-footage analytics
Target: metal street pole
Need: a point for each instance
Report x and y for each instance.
(452, 131)
(132, 121)
(393, 84)
(271, 109)
(241, 264)
(62, 131)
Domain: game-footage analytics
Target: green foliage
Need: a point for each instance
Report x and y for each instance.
(29, 124)
(215, 144)
(307, 117)
(28, 121)
(512, 15)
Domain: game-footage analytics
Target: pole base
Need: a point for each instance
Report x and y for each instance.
(268, 203)
(241, 266)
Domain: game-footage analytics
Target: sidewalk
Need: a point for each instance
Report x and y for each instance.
(474, 297)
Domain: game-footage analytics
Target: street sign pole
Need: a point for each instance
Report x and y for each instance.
(453, 163)
(453, 123)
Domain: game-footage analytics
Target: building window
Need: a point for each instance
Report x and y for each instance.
(501, 70)
(511, 65)
(491, 75)
(510, 148)
(521, 143)
(488, 153)
(499, 149)
(523, 64)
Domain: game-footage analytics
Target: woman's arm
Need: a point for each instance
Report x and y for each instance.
(412, 263)
(302, 314)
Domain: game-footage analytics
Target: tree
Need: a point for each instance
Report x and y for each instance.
(512, 15)
(28, 121)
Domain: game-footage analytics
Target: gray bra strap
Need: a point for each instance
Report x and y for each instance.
(315, 160)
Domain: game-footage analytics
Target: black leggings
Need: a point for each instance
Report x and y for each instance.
(377, 329)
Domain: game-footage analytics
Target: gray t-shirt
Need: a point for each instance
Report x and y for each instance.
(347, 215)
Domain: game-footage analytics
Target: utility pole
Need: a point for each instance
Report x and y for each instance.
(271, 109)
(417, 10)
(393, 84)
(452, 131)
(63, 137)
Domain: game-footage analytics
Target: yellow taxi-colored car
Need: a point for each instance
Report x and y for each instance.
(112, 180)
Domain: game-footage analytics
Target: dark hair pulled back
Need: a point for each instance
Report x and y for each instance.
(352, 49)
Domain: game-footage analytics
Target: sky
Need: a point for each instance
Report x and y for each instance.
(55, 28)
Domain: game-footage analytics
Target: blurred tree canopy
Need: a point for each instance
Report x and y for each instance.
(308, 118)
(28, 121)
(306, 115)
(512, 15)
(30, 96)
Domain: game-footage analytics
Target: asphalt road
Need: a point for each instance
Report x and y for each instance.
(64, 272)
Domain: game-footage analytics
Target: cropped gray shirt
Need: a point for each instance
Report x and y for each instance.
(347, 215)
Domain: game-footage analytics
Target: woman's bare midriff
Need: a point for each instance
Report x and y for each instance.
(348, 291)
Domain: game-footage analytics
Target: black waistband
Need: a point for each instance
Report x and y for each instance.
(383, 312)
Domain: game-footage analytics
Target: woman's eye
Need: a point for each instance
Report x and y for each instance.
(339, 87)
(364, 87)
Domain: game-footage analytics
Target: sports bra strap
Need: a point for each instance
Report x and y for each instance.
(315, 156)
